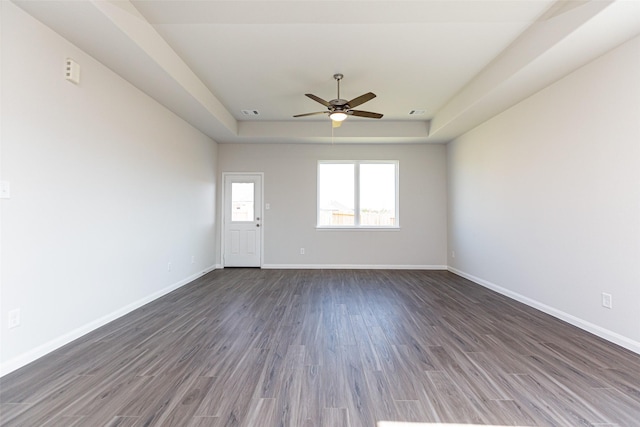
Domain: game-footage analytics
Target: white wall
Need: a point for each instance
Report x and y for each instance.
(544, 199)
(107, 187)
(290, 175)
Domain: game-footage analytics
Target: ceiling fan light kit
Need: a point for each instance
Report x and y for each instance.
(339, 109)
(338, 116)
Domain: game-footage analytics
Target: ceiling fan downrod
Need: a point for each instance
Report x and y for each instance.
(338, 77)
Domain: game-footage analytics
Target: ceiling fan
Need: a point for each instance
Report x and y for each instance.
(339, 109)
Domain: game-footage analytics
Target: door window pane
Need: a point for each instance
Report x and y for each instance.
(242, 208)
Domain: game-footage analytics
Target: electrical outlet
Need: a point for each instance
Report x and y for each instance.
(193, 259)
(301, 251)
(168, 266)
(5, 190)
(453, 254)
(72, 71)
(14, 319)
(607, 300)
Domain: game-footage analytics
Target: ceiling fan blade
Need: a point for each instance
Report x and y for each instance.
(318, 99)
(311, 114)
(368, 114)
(361, 99)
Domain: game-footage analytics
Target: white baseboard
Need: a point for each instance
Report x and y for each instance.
(353, 267)
(42, 350)
(606, 334)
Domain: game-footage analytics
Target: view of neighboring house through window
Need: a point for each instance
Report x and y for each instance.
(358, 194)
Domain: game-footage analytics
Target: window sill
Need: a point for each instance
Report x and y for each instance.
(327, 228)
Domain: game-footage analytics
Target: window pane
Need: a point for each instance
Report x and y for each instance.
(336, 194)
(241, 201)
(378, 194)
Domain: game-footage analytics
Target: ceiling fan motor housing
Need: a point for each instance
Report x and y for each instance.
(339, 103)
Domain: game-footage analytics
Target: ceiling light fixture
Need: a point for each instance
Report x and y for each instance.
(338, 116)
(338, 109)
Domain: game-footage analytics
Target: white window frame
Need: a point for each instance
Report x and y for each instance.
(356, 183)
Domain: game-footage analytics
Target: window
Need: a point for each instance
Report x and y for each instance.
(354, 194)
(241, 201)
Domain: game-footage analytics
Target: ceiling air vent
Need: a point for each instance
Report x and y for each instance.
(416, 112)
(250, 112)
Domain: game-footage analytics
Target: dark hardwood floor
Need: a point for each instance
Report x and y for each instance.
(249, 347)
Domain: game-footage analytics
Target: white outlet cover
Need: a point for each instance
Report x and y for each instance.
(14, 319)
(5, 190)
(72, 71)
(607, 300)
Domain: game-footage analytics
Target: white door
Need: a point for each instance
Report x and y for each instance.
(242, 220)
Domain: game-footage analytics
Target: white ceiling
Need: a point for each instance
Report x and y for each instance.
(462, 61)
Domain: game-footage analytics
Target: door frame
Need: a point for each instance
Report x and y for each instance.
(259, 209)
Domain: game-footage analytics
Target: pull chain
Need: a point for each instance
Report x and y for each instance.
(332, 132)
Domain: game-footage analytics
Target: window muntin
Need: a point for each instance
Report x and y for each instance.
(357, 194)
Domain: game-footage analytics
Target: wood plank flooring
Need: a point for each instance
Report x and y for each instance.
(329, 348)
